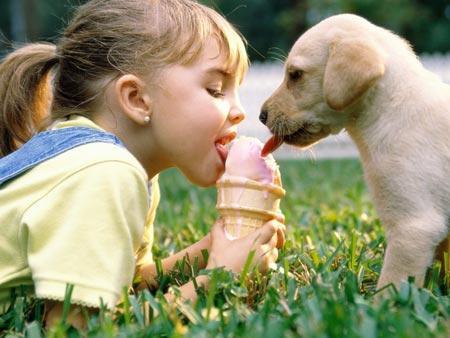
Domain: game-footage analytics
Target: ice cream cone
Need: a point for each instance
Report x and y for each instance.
(245, 204)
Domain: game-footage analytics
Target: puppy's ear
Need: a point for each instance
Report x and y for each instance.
(353, 66)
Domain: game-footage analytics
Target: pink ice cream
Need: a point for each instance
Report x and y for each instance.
(244, 160)
(250, 190)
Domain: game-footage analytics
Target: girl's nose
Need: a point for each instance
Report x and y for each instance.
(236, 114)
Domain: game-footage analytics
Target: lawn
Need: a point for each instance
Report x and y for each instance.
(322, 286)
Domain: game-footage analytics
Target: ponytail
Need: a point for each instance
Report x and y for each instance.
(25, 94)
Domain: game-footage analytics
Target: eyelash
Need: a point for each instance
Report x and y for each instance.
(215, 93)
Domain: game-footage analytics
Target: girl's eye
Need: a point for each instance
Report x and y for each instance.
(215, 93)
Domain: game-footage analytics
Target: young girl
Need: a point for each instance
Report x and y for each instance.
(132, 88)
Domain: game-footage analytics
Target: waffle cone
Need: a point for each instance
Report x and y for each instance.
(245, 205)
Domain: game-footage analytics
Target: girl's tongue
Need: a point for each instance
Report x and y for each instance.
(222, 151)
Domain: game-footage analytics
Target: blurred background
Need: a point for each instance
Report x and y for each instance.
(270, 27)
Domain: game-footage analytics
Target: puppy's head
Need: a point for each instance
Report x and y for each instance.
(328, 71)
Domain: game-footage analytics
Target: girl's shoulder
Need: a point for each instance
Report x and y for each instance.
(92, 153)
(105, 155)
(94, 162)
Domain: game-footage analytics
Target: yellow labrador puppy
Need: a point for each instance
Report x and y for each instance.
(346, 73)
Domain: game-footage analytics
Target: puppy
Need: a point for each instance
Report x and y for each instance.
(346, 73)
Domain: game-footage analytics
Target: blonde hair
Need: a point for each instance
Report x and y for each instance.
(106, 38)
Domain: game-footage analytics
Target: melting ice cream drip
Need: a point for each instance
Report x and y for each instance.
(241, 192)
(239, 225)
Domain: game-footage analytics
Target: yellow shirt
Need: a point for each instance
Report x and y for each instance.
(83, 217)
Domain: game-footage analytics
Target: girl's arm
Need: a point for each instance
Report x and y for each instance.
(148, 272)
(230, 254)
(188, 291)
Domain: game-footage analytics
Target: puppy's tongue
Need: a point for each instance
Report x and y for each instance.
(271, 145)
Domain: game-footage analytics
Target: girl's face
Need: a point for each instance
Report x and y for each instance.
(195, 110)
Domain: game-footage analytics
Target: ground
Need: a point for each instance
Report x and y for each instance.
(322, 286)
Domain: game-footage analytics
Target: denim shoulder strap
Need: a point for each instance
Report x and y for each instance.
(48, 144)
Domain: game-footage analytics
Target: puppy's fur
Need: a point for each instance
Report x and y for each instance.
(346, 73)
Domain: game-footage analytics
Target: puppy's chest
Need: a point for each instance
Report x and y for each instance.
(384, 180)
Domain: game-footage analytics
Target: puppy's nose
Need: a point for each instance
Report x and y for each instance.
(263, 116)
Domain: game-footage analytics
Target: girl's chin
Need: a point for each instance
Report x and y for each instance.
(203, 182)
(206, 176)
(210, 178)
(205, 172)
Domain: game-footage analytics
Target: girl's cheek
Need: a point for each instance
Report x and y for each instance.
(223, 104)
(220, 114)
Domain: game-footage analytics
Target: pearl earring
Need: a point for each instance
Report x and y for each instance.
(147, 119)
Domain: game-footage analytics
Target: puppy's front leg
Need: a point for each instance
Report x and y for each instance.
(410, 248)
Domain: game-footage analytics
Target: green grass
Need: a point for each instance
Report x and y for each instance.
(322, 286)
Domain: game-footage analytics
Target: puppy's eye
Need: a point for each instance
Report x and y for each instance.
(295, 75)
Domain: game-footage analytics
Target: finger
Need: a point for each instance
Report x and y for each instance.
(267, 258)
(273, 241)
(217, 229)
(274, 255)
(264, 234)
(280, 217)
(281, 237)
(267, 251)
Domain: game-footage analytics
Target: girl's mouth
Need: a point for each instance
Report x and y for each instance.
(221, 145)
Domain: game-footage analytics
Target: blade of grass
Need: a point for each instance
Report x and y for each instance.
(67, 303)
(330, 259)
(33, 330)
(353, 251)
(126, 307)
(212, 289)
(137, 310)
(246, 267)
(19, 317)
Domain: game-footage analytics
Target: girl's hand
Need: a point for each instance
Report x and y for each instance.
(232, 254)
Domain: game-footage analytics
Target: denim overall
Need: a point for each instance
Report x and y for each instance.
(48, 144)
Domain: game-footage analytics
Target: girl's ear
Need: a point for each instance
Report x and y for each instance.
(133, 98)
